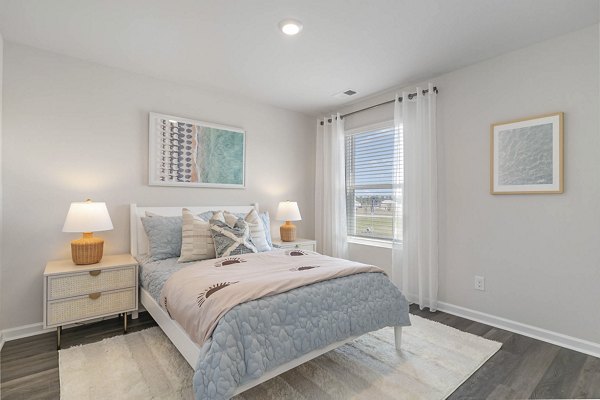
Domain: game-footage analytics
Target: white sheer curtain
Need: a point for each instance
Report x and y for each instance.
(330, 189)
(415, 248)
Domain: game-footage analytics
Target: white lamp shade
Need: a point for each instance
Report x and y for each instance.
(87, 217)
(288, 211)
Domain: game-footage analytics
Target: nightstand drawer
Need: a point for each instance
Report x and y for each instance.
(77, 284)
(301, 246)
(309, 247)
(61, 312)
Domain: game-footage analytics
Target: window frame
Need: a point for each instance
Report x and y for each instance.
(353, 238)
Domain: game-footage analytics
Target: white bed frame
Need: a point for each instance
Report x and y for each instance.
(174, 331)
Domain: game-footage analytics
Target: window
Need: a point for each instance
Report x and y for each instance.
(370, 205)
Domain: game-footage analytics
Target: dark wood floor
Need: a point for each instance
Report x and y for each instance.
(523, 368)
(29, 366)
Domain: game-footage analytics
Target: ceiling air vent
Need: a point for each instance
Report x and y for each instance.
(345, 94)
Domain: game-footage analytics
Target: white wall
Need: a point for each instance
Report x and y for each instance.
(1, 236)
(74, 129)
(539, 254)
(368, 254)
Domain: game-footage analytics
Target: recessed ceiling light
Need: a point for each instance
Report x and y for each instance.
(290, 27)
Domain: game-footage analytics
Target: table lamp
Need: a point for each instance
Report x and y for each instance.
(87, 217)
(288, 211)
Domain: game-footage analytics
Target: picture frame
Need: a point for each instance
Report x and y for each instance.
(527, 156)
(185, 152)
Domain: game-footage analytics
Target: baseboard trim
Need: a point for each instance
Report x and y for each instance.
(559, 339)
(24, 331)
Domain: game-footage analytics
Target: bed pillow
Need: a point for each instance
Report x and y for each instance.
(264, 216)
(206, 215)
(164, 236)
(231, 240)
(220, 215)
(196, 239)
(257, 230)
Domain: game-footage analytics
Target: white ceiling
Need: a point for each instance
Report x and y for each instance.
(235, 45)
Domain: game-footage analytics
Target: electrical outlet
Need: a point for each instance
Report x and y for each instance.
(479, 282)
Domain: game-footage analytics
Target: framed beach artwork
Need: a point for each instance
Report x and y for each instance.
(527, 155)
(190, 153)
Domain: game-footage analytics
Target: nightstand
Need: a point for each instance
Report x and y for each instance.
(306, 244)
(77, 293)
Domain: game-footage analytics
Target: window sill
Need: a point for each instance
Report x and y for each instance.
(386, 244)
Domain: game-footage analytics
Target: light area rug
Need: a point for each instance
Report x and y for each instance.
(435, 360)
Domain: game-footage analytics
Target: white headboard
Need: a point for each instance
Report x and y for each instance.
(139, 241)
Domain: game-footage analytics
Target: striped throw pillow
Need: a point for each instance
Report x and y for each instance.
(196, 239)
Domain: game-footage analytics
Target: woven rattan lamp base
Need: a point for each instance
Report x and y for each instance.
(87, 250)
(287, 232)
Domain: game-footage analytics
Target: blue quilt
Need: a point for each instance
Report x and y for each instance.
(258, 336)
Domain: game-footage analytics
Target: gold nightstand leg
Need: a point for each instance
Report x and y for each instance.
(58, 332)
(124, 322)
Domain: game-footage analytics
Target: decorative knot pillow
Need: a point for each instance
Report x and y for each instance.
(257, 234)
(231, 240)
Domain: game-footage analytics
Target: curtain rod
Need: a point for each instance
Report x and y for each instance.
(410, 96)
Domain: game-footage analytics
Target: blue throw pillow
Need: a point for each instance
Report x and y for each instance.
(264, 216)
(164, 236)
(206, 215)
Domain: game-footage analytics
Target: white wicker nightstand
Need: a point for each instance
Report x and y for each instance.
(77, 293)
(306, 244)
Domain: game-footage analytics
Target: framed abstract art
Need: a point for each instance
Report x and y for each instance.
(190, 153)
(527, 155)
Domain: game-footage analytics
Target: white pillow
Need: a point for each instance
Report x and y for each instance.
(257, 228)
(225, 217)
(196, 239)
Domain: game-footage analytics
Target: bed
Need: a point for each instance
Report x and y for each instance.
(237, 358)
